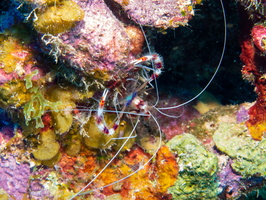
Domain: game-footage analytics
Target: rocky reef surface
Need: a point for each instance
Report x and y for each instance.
(83, 116)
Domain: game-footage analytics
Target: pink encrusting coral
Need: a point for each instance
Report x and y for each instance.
(258, 33)
(160, 14)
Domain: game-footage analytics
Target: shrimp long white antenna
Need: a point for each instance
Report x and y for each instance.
(155, 81)
(136, 171)
(122, 146)
(171, 116)
(215, 72)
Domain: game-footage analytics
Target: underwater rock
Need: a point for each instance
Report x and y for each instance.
(105, 40)
(229, 182)
(242, 113)
(197, 169)
(160, 14)
(98, 42)
(248, 155)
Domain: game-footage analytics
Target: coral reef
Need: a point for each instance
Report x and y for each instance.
(104, 39)
(197, 169)
(78, 114)
(74, 172)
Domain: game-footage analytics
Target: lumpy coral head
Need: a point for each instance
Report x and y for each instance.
(259, 37)
(197, 169)
(248, 155)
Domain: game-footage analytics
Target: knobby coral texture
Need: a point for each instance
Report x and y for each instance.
(80, 118)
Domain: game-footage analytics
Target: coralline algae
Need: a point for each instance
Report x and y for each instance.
(53, 113)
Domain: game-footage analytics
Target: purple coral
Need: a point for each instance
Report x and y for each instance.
(229, 182)
(242, 114)
(14, 176)
(37, 190)
(160, 13)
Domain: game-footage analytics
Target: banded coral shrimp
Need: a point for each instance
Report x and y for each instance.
(132, 102)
